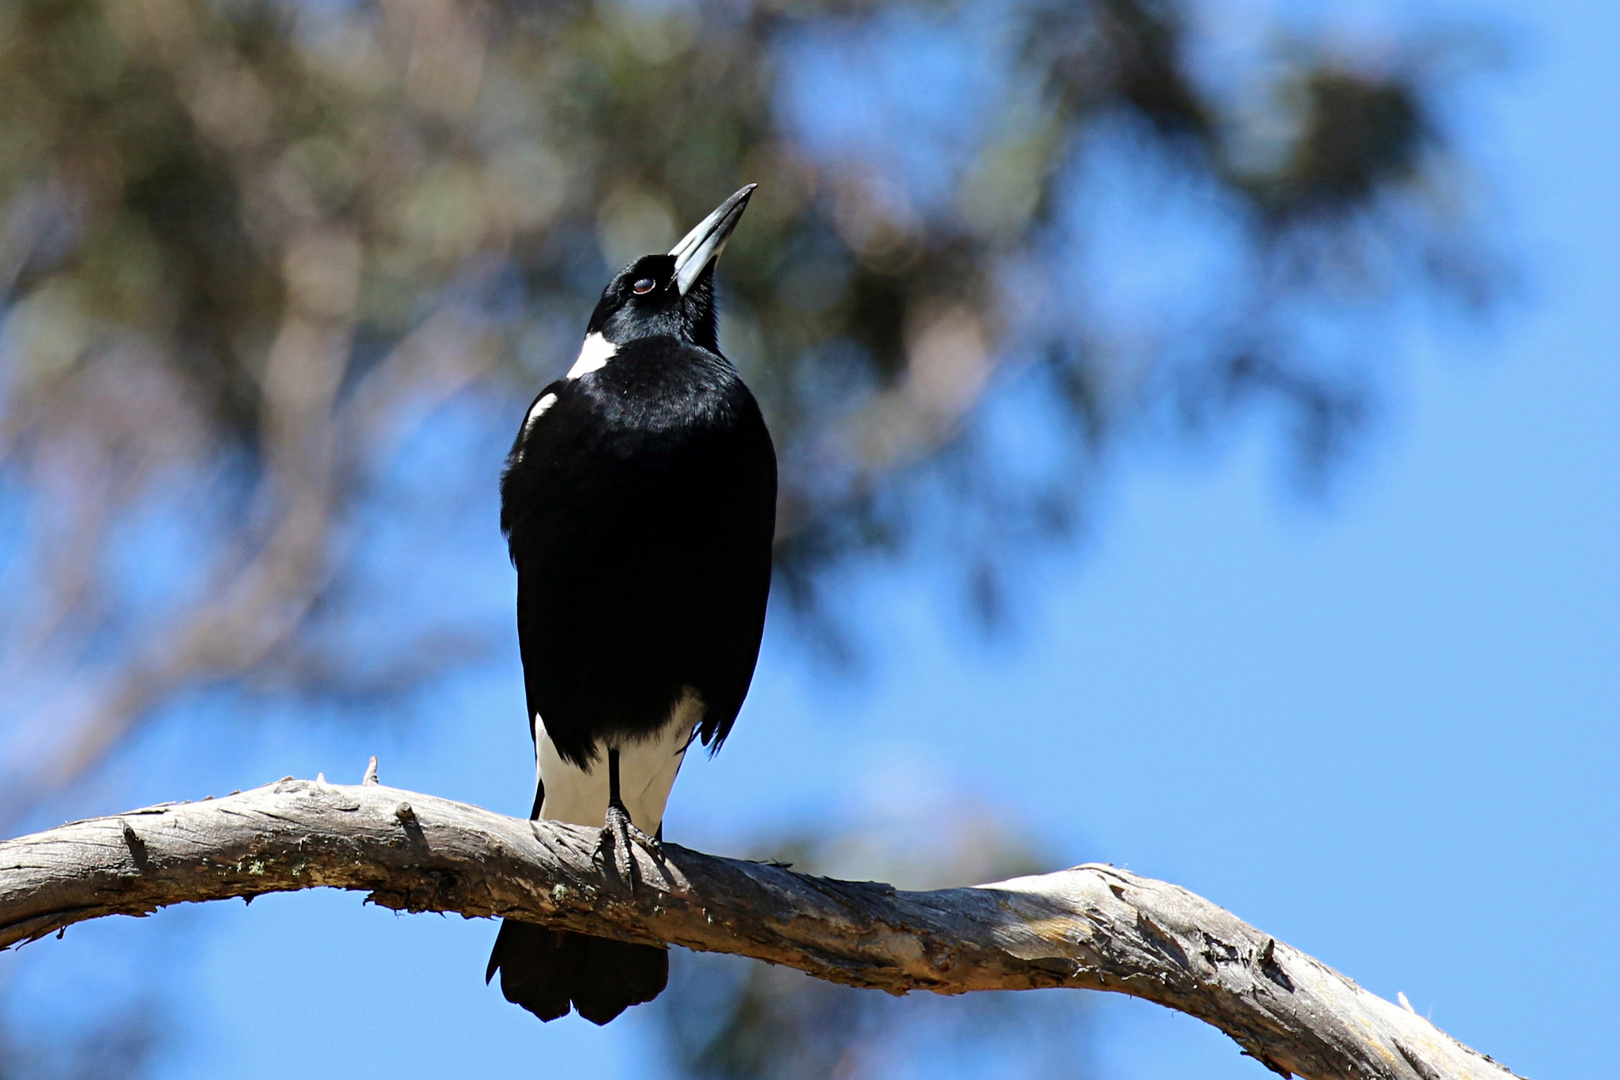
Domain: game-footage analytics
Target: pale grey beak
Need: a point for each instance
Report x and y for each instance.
(703, 244)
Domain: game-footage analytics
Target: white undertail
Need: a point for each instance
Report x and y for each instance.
(647, 769)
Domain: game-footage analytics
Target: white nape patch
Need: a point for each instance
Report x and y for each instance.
(647, 769)
(593, 355)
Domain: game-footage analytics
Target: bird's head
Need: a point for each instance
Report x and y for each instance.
(671, 294)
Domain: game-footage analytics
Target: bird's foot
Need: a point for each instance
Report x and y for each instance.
(619, 832)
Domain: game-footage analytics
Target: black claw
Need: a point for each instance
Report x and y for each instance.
(618, 833)
(621, 832)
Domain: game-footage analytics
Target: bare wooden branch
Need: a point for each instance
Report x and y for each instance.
(1093, 926)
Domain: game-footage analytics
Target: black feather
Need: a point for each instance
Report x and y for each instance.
(546, 971)
(638, 505)
(639, 512)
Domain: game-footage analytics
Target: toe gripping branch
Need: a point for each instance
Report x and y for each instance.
(619, 832)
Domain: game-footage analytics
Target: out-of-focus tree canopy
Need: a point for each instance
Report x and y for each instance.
(246, 246)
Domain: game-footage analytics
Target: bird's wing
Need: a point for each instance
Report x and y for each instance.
(735, 649)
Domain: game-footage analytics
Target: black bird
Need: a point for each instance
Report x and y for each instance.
(638, 503)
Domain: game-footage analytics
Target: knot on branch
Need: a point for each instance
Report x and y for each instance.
(137, 846)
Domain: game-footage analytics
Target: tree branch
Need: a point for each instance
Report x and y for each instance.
(1093, 927)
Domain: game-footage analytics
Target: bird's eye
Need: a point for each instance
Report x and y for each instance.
(644, 286)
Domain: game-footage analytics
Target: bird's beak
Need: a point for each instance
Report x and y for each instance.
(703, 244)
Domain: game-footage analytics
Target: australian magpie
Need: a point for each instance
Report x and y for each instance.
(638, 503)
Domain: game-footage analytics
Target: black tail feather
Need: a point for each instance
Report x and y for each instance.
(546, 971)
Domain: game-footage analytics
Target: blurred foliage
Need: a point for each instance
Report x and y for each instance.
(247, 245)
(120, 1046)
(726, 1018)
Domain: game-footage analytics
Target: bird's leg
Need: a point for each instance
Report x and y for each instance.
(622, 832)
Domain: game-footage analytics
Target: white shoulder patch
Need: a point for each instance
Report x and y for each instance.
(593, 355)
(536, 411)
(546, 401)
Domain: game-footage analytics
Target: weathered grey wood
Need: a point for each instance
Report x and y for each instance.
(1091, 926)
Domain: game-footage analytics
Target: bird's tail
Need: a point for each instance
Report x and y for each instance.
(546, 971)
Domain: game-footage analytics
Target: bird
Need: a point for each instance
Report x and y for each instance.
(638, 503)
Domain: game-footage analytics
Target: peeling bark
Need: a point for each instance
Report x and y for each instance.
(1092, 927)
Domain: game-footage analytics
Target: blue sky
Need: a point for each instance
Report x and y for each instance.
(1383, 728)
